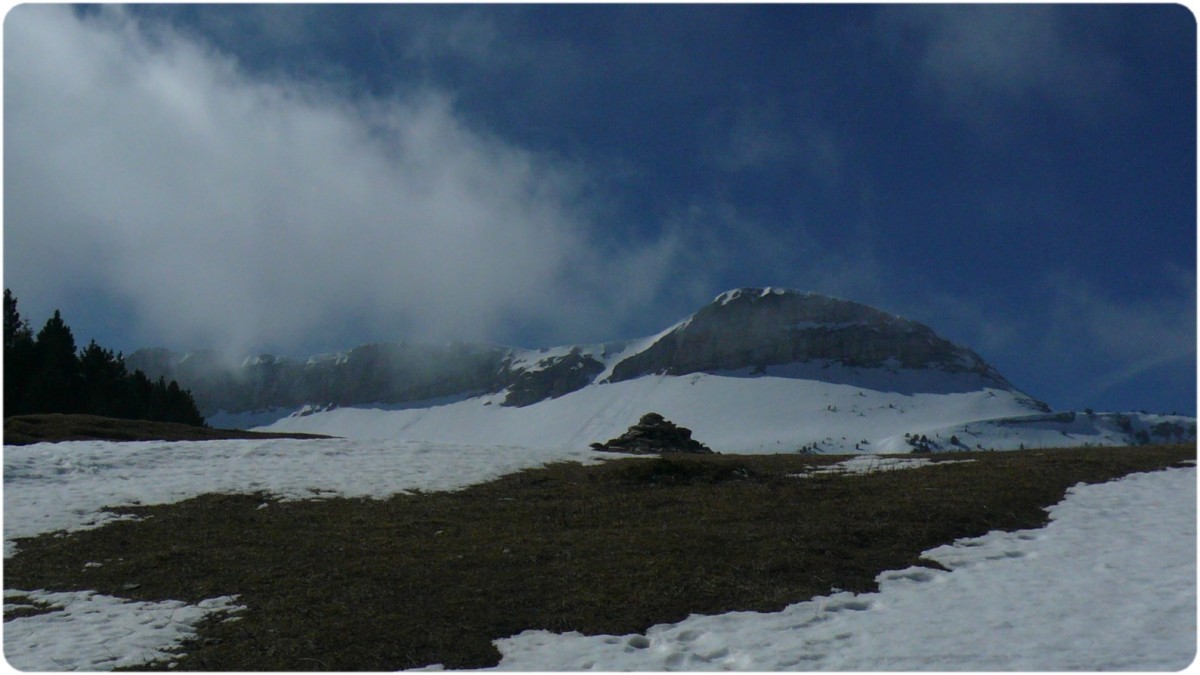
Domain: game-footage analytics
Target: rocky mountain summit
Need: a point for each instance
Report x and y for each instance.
(748, 331)
(654, 434)
(760, 327)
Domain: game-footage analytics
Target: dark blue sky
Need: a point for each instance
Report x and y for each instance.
(1022, 178)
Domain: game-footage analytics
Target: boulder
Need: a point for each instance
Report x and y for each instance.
(654, 434)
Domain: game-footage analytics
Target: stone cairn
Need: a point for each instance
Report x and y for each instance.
(653, 434)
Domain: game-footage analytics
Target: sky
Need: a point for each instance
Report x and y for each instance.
(300, 179)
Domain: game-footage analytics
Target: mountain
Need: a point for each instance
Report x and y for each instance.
(741, 329)
(757, 328)
(755, 370)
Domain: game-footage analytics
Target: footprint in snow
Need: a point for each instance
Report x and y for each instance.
(794, 662)
(852, 605)
(714, 655)
(639, 642)
(917, 575)
(1006, 555)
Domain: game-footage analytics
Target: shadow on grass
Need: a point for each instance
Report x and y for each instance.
(353, 584)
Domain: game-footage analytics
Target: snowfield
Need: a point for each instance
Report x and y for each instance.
(821, 407)
(1109, 584)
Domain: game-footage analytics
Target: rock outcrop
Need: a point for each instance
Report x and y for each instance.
(652, 435)
(759, 327)
(553, 377)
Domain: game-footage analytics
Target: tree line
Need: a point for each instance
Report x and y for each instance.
(47, 374)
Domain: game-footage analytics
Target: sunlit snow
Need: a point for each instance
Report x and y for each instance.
(89, 631)
(875, 463)
(730, 412)
(813, 406)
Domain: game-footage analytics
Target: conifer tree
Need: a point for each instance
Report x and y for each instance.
(46, 375)
(102, 373)
(56, 383)
(180, 407)
(18, 357)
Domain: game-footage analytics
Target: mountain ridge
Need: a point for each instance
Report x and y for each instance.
(756, 370)
(746, 329)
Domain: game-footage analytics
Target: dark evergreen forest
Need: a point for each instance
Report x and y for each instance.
(47, 374)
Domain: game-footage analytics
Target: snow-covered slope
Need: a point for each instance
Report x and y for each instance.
(755, 370)
(731, 412)
(873, 411)
(1048, 430)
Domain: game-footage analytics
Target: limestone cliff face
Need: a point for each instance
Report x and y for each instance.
(554, 377)
(757, 327)
(749, 328)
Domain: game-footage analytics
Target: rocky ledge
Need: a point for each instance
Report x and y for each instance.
(653, 434)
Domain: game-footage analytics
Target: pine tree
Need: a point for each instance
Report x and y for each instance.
(46, 375)
(102, 373)
(18, 357)
(15, 328)
(56, 383)
(180, 407)
(138, 392)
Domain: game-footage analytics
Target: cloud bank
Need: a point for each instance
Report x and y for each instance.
(233, 211)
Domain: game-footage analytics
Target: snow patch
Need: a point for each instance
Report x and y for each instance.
(733, 294)
(88, 631)
(864, 464)
(1049, 430)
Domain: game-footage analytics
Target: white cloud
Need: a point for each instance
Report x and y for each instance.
(234, 211)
